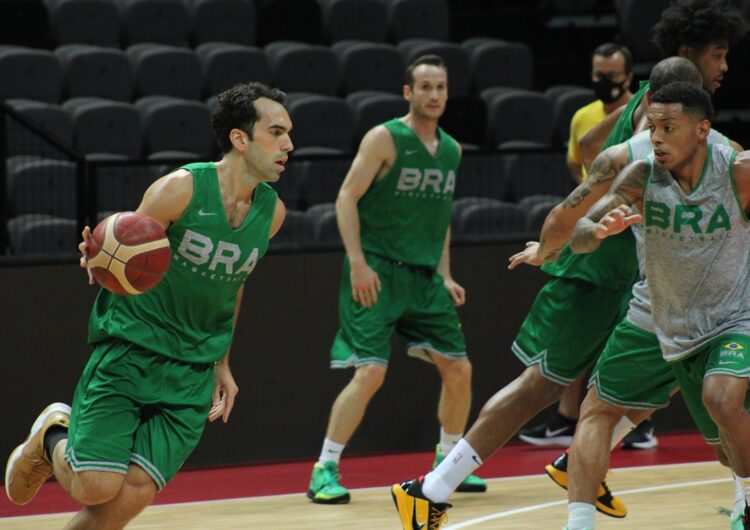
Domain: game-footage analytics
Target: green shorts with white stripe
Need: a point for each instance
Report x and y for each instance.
(727, 354)
(135, 406)
(631, 371)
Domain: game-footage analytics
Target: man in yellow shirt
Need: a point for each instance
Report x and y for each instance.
(611, 75)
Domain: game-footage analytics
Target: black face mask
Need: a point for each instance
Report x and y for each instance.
(608, 91)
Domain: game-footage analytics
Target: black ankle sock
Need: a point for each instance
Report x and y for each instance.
(51, 438)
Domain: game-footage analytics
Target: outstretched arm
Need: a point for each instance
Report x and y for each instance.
(559, 224)
(612, 213)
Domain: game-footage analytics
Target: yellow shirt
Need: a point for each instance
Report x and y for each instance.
(583, 120)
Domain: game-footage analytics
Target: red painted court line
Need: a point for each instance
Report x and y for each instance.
(360, 472)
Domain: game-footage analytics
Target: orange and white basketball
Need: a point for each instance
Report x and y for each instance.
(128, 253)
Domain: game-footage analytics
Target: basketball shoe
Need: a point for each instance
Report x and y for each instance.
(642, 437)
(324, 485)
(28, 466)
(606, 503)
(415, 510)
(740, 520)
(557, 430)
(471, 484)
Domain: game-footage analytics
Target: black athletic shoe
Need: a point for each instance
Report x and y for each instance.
(642, 437)
(557, 430)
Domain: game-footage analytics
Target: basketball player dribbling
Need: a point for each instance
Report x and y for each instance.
(160, 360)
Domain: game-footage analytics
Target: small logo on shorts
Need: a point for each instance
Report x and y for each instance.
(732, 349)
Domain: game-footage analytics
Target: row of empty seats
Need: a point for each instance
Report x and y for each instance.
(125, 22)
(75, 70)
(166, 126)
(52, 187)
(475, 220)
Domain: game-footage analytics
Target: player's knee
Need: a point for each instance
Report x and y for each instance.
(594, 408)
(139, 488)
(370, 377)
(724, 399)
(538, 385)
(457, 372)
(96, 487)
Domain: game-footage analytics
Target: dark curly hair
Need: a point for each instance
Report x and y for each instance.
(236, 110)
(697, 23)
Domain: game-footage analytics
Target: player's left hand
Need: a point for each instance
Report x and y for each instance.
(458, 293)
(616, 221)
(529, 255)
(225, 390)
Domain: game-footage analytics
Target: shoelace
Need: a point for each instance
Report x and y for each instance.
(437, 517)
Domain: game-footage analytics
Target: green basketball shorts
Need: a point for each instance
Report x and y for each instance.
(413, 302)
(631, 371)
(134, 406)
(568, 326)
(728, 355)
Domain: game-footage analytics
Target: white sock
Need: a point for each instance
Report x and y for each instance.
(739, 495)
(623, 427)
(581, 516)
(448, 441)
(440, 483)
(744, 486)
(331, 452)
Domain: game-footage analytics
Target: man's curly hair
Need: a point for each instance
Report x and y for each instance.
(698, 23)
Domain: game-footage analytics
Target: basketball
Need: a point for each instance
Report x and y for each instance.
(128, 253)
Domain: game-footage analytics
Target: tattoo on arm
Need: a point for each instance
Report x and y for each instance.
(603, 169)
(627, 189)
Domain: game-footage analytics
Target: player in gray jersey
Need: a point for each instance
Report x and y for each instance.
(613, 405)
(694, 197)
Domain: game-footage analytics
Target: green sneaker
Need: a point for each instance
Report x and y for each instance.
(740, 520)
(324, 485)
(471, 484)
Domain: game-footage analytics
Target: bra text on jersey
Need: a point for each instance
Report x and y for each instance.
(198, 249)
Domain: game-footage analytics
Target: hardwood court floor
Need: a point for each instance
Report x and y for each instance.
(682, 496)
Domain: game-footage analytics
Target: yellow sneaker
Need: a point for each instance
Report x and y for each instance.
(28, 466)
(606, 503)
(415, 510)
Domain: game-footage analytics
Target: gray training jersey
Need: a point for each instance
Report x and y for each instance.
(696, 256)
(639, 310)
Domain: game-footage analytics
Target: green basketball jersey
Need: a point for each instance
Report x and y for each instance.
(614, 264)
(189, 314)
(405, 215)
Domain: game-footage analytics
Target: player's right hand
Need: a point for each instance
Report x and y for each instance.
(529, 255)
(82, 246)
(365, 284)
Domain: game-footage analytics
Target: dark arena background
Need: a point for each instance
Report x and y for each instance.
(100, 97)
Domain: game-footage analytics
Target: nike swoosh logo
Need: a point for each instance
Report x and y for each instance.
(549, 433)
(411, 151)
(474, 457)
(414, 523)
(203, 214)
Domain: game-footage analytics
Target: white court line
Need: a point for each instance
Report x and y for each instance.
(534, 507)
(386, 488)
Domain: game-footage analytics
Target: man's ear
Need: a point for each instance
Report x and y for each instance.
(239, 139)
(704, 127)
